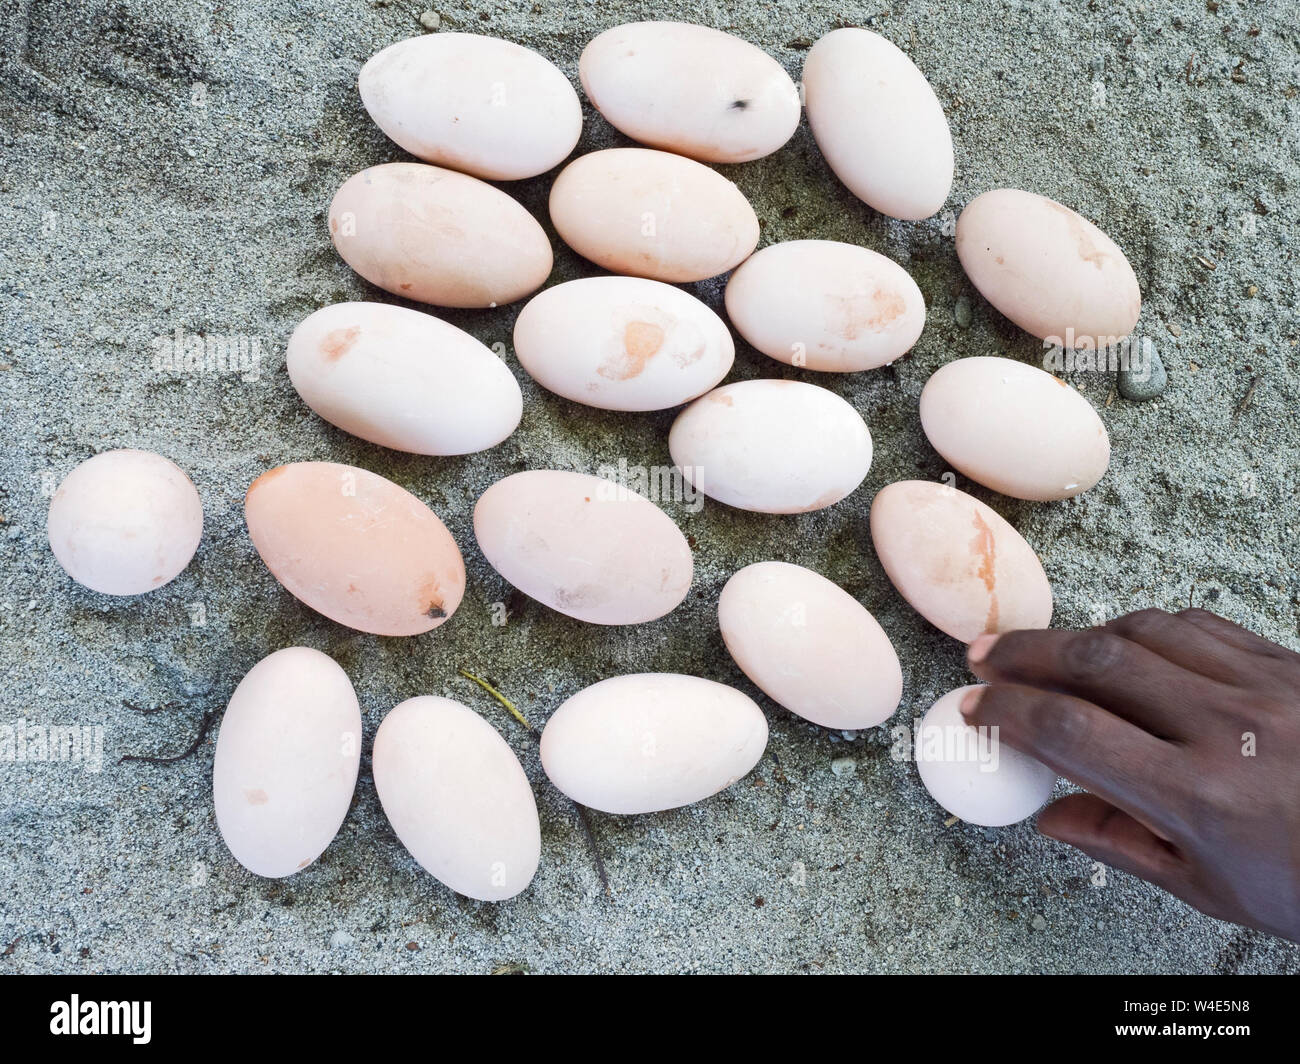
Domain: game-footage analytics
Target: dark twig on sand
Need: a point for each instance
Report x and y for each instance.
(204, 725)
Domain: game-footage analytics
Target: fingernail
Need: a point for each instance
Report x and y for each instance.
(979, 650)
(971, 699)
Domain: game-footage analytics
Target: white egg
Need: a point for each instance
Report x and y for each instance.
(810, 645)
(457, 798)
(972, 773)
(690, 89)
(622, 343)
(286, 761)
(403, 379)
(477, 104)
(1014, 428)
(878, 122)
(125, 522)
(650, 741)
(773, 446)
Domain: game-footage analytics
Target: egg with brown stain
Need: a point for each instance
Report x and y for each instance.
(1014, 428)
(825, 306)
(437, 236)
(622, 343)
(652, 214)
(772, 446)
(959, 564)
(585, 546)
(1048, 269)
(355, 547)
(403, 379)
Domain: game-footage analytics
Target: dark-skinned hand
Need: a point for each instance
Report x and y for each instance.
(1185, 730)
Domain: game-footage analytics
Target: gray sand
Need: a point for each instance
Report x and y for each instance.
(167, 165)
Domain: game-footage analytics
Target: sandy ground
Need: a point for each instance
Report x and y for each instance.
(167, 165)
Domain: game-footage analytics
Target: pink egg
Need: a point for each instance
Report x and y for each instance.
(356, 547)
(437, 236)
(1048, 269)
(972, 773)
(652, 214)
(125, 522)
(960, 565)
(585, 546)
(810, 645)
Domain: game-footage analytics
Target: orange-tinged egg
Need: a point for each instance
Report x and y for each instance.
(356, 547)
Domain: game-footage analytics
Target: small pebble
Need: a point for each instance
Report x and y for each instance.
(844, 766)
(341, 940)
(1138, 390)
(1039, 922)
(1174, 330)
(431, 20)
(1252, 292)
(961, 311)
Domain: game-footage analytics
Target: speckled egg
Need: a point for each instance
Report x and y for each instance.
(1014, 428)
(972, 773)
(623, 343)
(125, 522)
(1048, 269)
(878, 123)
(477, 104)
(356, 547)
(652, 214)
(403, 379)
(960, 565)
(690, 89)
(457, 798)
(827, 306)
(650, 741)
(773, 446)
(810, 645)
(286, 761)
(438, 236)
(585, 546)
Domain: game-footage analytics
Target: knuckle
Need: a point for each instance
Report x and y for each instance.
(1092, 652)
(1058, 723)
(1149, 622)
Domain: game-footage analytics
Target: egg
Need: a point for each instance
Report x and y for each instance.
(356, 547)
(773, 446)
(810, 646)
(623, 343)
(286, 761)
(650, 741)
(826, 306)
(690, 89)
(878, 123)
(438, 236)
(403, 379)
(1048, 269)
(481, 105)
(457, 798)
(585, 546)
(125, 522)
(1014, 428)
(972, 773)
(652, 214)
(960, 565)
